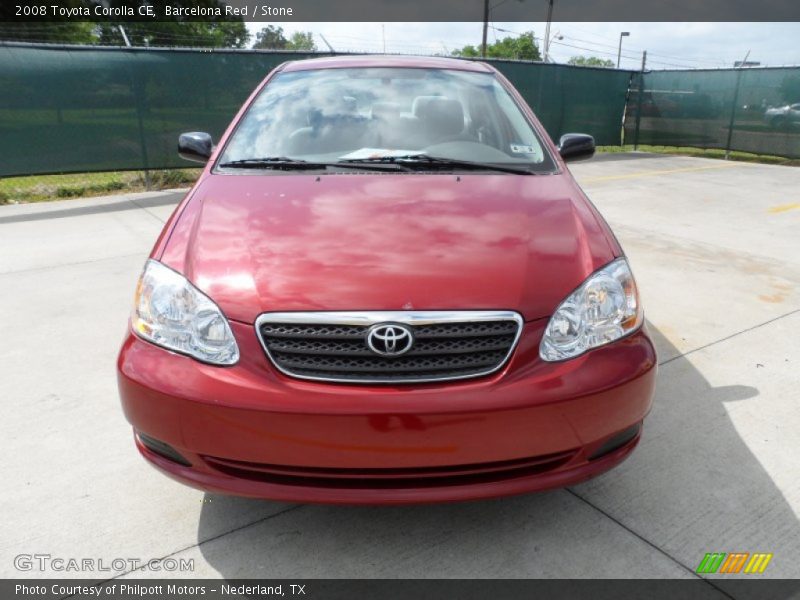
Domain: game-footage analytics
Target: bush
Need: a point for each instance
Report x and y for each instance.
(170, 178)
(70, 192)
(112, 186)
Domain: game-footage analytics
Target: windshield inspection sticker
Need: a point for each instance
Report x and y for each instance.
(522, 149)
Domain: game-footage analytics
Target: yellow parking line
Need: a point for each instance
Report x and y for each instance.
(783, 207)
(655, 173)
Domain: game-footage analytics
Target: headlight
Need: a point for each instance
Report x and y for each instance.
(170, 312)
(603, 309)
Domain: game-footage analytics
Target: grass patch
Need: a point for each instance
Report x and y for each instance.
(705, 153)
(42, 188)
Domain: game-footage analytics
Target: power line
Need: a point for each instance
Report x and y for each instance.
(628, 56)
(649, 53)
(614, 47)
(605, 37)
(560, 43)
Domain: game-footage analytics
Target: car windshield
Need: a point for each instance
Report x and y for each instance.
(367, 114)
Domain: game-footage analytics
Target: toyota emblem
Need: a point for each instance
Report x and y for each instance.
(390, 339)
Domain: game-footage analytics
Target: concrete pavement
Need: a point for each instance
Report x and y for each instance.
(714, 246)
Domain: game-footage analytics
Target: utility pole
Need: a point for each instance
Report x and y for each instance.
(547, 30)
(485, 27)
(622, 34)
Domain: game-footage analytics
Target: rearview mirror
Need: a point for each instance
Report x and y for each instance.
(576, 146)
(196, 146)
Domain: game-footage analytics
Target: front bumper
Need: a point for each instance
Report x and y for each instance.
(249, 430)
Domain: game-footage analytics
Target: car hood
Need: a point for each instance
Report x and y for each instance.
(256, 243)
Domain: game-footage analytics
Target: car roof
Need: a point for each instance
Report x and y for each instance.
(412, 62)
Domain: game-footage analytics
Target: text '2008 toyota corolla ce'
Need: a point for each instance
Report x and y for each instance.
(386, 287)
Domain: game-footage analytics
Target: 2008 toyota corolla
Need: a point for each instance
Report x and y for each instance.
(386, 287)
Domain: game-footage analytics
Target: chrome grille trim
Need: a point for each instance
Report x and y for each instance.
(421, 322)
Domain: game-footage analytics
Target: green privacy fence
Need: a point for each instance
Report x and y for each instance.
(751, 109)
(76, 109)
(572, 99)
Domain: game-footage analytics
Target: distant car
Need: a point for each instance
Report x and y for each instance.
(386, 287)
(782, 117)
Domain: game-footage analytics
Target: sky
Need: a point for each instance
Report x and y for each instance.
(668, 45)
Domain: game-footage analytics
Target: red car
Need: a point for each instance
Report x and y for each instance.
(386, 287)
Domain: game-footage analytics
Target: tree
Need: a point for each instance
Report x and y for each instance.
(273, 38)
(590, 61)
(56, 32)
(467, 52)
(198, 34)
(270, 38)
(204, 32)
(522, 47)
(302, 40)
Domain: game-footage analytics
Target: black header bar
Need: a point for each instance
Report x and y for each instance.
(401, 10)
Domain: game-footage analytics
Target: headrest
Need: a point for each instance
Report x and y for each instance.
(420, 102)
(442, 115)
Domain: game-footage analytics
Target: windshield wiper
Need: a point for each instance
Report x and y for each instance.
(268, 162)
(286, 163)
(413, 160)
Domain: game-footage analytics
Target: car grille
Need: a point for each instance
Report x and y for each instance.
(333, 346)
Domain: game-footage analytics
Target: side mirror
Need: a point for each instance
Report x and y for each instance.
(196, 146)
(576, 146)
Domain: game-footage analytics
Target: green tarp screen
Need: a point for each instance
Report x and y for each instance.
(694, 108)
(68, 109)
